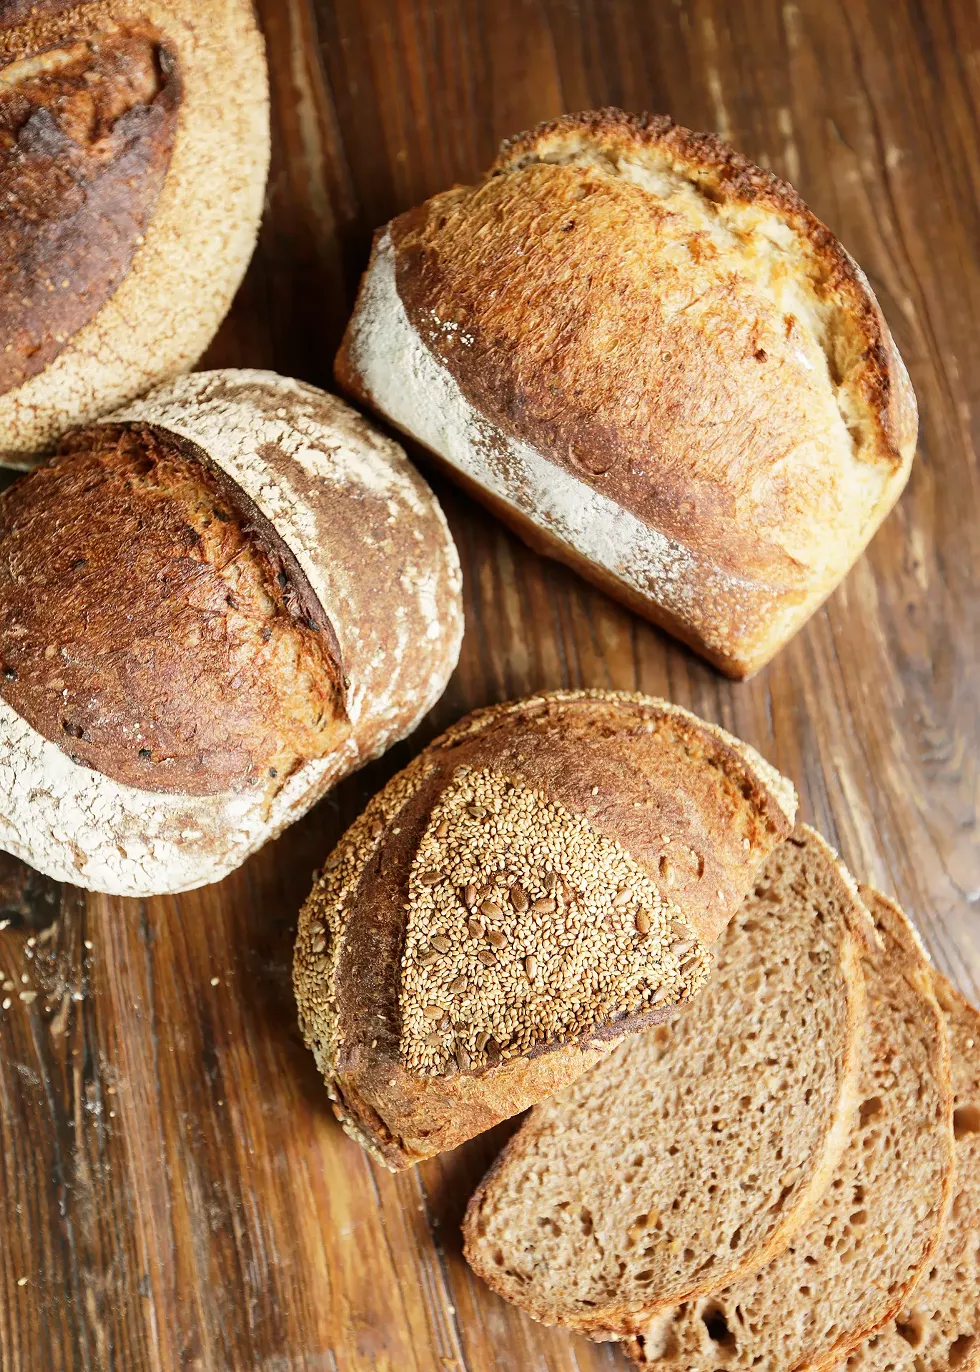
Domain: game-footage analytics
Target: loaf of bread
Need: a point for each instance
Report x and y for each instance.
(874, 1235)
(213, 605)
(544, 879)
(648, 357)
(939, 1329)
(134, 145)
(697, 1150)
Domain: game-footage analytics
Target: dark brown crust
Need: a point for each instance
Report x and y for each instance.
(154, 627)
(677, 778)
(84, 152)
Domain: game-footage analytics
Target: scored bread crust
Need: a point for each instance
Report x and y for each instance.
(474, 333)
(939, 1328)
(905, 1037)
(637, 771)
(831, 884)
(191, 258)
(374, 546)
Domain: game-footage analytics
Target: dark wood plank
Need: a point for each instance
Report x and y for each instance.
(175, 1193)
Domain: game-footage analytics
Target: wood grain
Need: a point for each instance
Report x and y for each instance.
(175, 1192)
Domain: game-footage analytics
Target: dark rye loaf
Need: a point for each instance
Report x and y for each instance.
(542, 880)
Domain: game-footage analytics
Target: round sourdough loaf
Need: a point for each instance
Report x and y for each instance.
(542, 880)
(697, 1150)
(134, 145)
(653, 361)
(213, 605)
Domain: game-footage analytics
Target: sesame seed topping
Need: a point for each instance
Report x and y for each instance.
(535, 918)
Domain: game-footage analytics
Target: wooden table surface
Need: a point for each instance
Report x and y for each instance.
(175, 1191)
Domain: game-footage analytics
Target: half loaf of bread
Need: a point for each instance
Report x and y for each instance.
(654, 362)
(542, 880)
(698, 1149)
(212, 606)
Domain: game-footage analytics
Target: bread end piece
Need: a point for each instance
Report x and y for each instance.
(573, 840)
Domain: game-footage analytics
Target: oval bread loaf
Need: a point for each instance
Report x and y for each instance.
(542, 880)
(652, 360)
(134, 145)
(695, 1152)
(876, 1231)
(213, 605)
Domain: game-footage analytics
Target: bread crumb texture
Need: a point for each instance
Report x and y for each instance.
(703, 1142)
(876, 1230)
(134, 145)
(938, 1330)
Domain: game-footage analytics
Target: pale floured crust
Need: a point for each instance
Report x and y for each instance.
(374, 546)
(666, 373)
(202, 230)
(444, 865)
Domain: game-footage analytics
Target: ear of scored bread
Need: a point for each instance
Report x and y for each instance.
(544, 879)
(649, 357)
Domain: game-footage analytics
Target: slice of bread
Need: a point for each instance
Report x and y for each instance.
(939, 1328)
(697, 1151)
(852, 1267)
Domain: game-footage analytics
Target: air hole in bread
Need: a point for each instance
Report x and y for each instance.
(912, 1328)
(961, 1349)
(869, 1110)
(966, 1120)
(716, 1325)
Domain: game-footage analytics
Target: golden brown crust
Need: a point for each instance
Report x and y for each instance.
(153, 628)
(86, 134)
(648, 315)
(693, 812)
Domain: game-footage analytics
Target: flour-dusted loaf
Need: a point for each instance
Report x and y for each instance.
(939, 1328)
(696, 1151)
(652, 360)
(212, 606)
(134, 144)
(875, 1233)
(542, 880)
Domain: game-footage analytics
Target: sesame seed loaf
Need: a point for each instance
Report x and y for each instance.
(651, 359)
(134, 145)
(542, 880)
(213, 605)
(695, 1152)
(939, 1328)
(876, 1230)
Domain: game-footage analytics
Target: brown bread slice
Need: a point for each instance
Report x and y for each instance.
(852, 1267)
(939, 1328)
(699, 1149)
